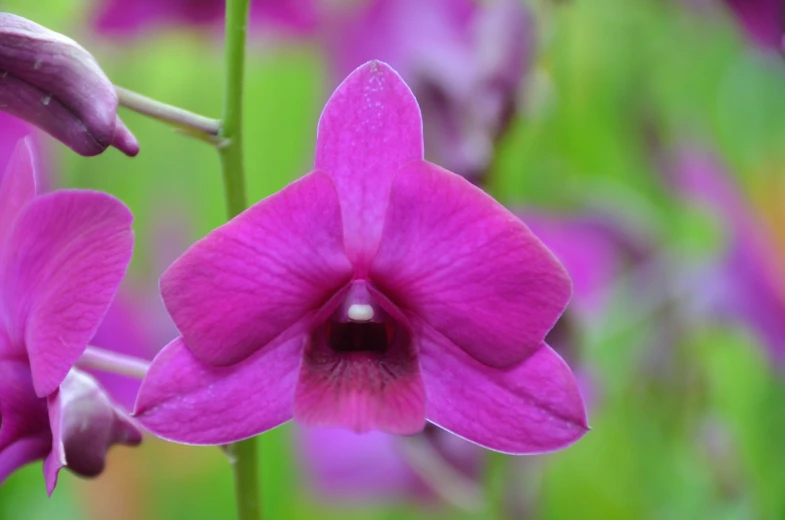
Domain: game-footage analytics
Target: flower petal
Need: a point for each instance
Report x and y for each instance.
(370, 127)
(24, 425)
(249, 280)
(22, 413)
(17, 186)
(533, 407)
(184, 400)
(59, 271)
(467, 266)
(21, 453)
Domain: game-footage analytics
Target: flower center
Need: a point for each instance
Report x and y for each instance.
(369, 337)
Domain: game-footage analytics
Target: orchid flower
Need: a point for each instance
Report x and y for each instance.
(52, 82)
(62, 257)
(464, 60)
(595, 249)
(127, 17)
(375, 293)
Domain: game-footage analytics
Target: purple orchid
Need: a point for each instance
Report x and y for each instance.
(762, 20)
(376, 292)
(52, 82)
(129, 17)
(595, 249)
(745, 284)
(465, 63)
(63, 257)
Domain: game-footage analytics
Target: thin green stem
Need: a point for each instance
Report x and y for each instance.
(231, 148)
(197, 125)
(243, 454)
(495, 479)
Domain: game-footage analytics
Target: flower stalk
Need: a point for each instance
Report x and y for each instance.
(243, 454)
(231, 150)
(200, 126)
(114, 362)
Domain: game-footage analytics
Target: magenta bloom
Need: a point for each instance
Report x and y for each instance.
(376, 292)
(465, 62)
(128, 17)
(63, 257)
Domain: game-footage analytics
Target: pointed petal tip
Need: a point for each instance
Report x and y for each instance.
(124, 140)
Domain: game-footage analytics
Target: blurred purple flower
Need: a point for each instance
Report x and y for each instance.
(746, 284)
(63, 257)
(464, 60)
(762, 20)
(52, 82)
(376, 466)
(131, 17)
(374, 281)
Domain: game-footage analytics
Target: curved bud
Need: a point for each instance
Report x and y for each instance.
(85, 424)
(54, 83)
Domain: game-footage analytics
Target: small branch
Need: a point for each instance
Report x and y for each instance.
(183, 119)
(107, 361)
(449, 484)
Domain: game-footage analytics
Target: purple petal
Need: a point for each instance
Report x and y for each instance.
(249, 280)
(21, 453)
(24, 427)
(17, 187)
(52, 82)
(184, 400)
(370, 128)
(533, 407)
(85, 424)
(60, 270)
(466, 265)
(22, 413)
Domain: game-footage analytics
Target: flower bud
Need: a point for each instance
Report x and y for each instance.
(86, 424)
(54, 83)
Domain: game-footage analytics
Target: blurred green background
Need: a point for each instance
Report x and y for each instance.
(694, 428)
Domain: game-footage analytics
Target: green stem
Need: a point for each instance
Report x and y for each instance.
(231, 148)
(495, 480)
(243, 454)
(194, 124)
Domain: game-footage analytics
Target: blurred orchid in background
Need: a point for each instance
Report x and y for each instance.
(64, 255)
(763, 21)
(50, 81)
(394, 308)
(466, 63)
(132, 17)
(745, 282)
(432, 466)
